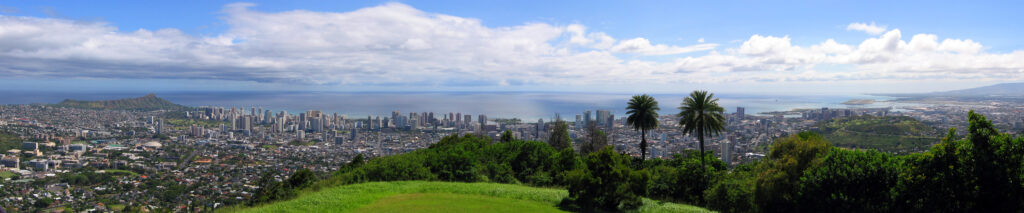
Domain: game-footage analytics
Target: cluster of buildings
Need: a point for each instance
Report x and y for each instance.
(210, 157)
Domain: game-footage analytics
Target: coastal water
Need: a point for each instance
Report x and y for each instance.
(524, 105)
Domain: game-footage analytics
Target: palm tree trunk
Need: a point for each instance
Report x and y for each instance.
(700, 137)
(643, 144)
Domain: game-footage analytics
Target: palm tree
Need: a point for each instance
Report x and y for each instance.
(643, 116)
(701, 115)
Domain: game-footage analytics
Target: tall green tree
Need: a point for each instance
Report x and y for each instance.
(507, 136)
(594, 141)
(700, 114)
(560, 136)
(643, 116)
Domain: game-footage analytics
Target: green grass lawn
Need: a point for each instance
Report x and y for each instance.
(423, 196)
(428, 202)
(120, 172)
(7, 174)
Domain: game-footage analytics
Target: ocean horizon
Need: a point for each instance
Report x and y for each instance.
(529, 106)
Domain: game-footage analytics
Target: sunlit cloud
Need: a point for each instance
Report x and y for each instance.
(395, 44)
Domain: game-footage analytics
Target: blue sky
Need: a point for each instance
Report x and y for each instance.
(657, 46)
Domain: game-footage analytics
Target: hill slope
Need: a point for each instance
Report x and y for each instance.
(148, 102)
(886, 134)
(423, 196)
(1007, 89)
(1004, 90)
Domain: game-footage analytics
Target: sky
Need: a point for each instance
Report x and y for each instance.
(745, 47)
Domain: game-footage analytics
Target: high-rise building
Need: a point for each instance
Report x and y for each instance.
(317, 124)
(741, 112)
(540, 127)
(247, 125)
(586, 118)
(394, 116)
(483, 120)
(602, 117)
(610, 124)
(579, 122)
(726, 152)
(468, 119)
(196, 131)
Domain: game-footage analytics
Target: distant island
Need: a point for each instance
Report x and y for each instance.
(145, 103)
(859, 102)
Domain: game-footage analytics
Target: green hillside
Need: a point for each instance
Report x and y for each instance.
(145, 103)
(425, 196)
(898, 134)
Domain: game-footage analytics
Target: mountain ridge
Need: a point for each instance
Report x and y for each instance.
(995, 90)
(148, 102)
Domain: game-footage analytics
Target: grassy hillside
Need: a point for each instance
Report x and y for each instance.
(147, 103)
(9, 141)
(424, 196)
(898, 134)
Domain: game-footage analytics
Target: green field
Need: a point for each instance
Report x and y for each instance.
(893, 134)
(428, 202)
(7, 174)
(120, 172)
(423, 196)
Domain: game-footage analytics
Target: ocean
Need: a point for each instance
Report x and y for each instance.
(524, 105)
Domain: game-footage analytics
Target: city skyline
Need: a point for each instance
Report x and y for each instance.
(659, 47)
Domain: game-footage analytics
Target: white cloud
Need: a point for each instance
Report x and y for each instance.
(644, 47)
(867, 28)
(395, 44)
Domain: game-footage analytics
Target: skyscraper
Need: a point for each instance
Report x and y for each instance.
(579, 121)
(741, 112)
(602, 117)
(483, 120)
(586, 118)
(540, 127)
(610, 123)
(727, 151)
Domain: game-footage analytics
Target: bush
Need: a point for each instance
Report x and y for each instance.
(778, 182)
(855, 181)
(607, 183)
(981, 173)
(681, 179)
(733, 193)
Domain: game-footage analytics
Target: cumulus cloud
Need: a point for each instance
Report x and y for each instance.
(395, 44)
(644, 47)
(867, 28)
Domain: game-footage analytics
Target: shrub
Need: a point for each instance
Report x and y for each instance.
(607, 183)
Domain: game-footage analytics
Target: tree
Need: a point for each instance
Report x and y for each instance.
(301, 179)
(606, 183)
(595, 140)
(643, 116)
(560, 136)
(269, 190)
(357, 161)
(701, 115)
(778, 181)
(980, 173)
(507, 136)
(851, 180)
